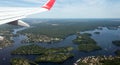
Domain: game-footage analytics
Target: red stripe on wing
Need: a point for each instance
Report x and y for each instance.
(49, 4)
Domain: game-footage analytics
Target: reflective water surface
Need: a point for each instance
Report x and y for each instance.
(104, 39)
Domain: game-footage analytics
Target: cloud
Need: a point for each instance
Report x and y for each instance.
(35, 1)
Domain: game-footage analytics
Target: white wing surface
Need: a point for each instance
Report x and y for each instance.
(12, 15)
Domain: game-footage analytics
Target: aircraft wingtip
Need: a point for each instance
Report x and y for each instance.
(49, 4)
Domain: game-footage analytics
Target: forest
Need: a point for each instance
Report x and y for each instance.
(45, 54)
(61, 28)
(86, 43)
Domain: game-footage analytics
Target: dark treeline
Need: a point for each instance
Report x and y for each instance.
(64, 27)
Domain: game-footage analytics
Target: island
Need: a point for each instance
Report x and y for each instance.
(58, 57)
(29, 49)
(36, 49)
(86, 43)
(46, 54)
(88, 47)
(86, 34)
(96, 32)
(99, 60)
(116, 42)
(21, 61)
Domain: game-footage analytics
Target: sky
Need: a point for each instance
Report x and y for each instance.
(71, 8)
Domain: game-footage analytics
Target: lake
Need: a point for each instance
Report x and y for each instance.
(104, 40)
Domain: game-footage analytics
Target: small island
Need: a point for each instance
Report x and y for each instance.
(58, 57)
(87, 34)
(21, 61)
(86, 43)
(116, 42)
(96, 32)
(99, 60)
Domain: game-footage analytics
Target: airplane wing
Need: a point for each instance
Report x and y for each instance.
(12, 15)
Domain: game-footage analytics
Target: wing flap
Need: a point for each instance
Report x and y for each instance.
(20, 23)
(11, 19)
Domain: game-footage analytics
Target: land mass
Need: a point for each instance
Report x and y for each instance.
(86, 43)
(22, 61)
(7, 41)
(99, 60)
(58, 57)
(117, 52)
(97, 32)
(46, 55)
(35, 49)
(59, 29)
(116, 42)
(37, 38)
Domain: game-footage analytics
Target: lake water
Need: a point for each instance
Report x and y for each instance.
(104, 39)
